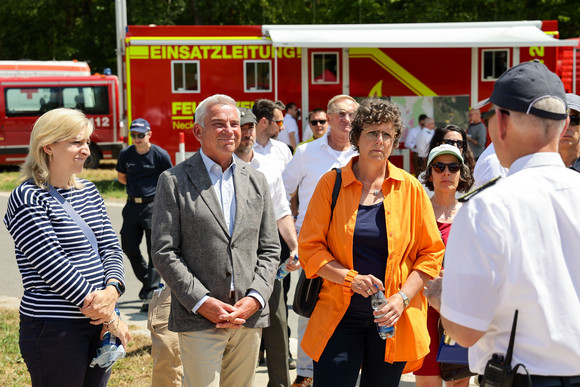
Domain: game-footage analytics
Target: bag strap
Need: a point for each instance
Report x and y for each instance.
(335, 192)
(77, 218)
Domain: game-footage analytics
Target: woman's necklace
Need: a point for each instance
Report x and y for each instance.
(375, 192)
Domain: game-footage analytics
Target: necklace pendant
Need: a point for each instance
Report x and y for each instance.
(376, 192)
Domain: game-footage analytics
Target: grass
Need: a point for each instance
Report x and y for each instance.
(104, 178)
(133, 370)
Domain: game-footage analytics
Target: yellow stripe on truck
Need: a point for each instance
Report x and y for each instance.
(393, 68)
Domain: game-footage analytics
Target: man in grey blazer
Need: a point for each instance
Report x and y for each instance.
(216, 246)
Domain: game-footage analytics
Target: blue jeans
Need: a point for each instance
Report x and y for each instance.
(356, 344)
(57, 352)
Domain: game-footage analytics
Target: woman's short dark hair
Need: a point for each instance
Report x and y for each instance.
(374, 111)
(466, 173)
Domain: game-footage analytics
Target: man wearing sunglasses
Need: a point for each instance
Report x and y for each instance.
(270, 118)
(318, 124)
(569, 146)
(514, 244)
(138, 167)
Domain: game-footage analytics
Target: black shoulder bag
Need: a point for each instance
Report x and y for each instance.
(307, 290)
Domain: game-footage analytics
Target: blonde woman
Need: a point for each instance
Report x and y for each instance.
(70, 288)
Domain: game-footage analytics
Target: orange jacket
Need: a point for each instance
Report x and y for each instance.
(414, 243)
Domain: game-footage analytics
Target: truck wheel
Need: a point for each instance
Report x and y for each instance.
(94, 160)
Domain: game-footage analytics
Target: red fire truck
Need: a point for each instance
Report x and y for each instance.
(30, 88)
(445, 67)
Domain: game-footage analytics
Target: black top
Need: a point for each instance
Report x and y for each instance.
(143, 170)
(370, 251)
(576, 165)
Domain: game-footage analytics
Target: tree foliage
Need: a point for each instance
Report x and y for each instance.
(85, 29)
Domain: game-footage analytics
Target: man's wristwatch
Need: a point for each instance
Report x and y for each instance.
(119, 286)
(405, 298)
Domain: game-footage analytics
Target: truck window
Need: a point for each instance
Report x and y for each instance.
(257, 76)
(185, 76)
(33, 101)
(494, 64)
(324, 67)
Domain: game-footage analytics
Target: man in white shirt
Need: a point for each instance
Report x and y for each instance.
(514, 246)
(423, 139)
(270, 122)
(309, 163)
(276, 335)
(289, 135)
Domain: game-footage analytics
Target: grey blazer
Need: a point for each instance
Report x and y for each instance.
(193, 251)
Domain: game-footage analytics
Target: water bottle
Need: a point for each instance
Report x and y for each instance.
(110, 350)
(377, 301)
(282, 271)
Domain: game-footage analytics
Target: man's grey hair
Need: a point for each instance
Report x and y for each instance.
(331, 108)
(551, 127)
(206, 104)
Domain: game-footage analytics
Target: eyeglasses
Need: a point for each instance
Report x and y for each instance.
(279, 122)
(456, 143)
(137, 135)
(317, 122)
(342, 115)
(440, 167)
(574, 120)
(374, 135)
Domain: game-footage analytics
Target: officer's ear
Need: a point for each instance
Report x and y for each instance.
(197, 132)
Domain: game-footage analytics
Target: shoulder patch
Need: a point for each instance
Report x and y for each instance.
(474, 192)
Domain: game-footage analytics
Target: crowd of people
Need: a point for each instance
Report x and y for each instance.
(219, 225)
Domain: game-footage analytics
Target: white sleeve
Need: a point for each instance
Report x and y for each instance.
(474, 260)
(279, 200)
(292, 175)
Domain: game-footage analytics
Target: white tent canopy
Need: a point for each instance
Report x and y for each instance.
(419, 35)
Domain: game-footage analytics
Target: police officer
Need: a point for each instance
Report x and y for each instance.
(514, 246)
(139, 167)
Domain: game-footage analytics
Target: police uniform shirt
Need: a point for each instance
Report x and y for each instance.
(516, 245)
(143, 170)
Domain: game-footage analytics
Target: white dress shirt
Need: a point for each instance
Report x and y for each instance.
(422, 142)
(310, 162)
(277, 152)
(275, 184)
(411, 139)
(515, 245)
(488, 167)
(290, 129)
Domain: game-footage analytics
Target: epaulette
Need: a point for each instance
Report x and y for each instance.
(474, 192)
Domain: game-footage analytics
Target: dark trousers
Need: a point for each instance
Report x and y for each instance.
(57, 352)
(355, 344)
(136, 222)
(275, 339)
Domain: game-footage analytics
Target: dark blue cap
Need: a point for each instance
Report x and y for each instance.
(140, 125)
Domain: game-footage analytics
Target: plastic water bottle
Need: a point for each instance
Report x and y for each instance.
(377, 301)
(282, 271)
(110, 350)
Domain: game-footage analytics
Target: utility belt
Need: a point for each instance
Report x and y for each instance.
(147, 199)
(521, 380)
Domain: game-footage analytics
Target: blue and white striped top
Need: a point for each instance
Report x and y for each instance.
(59, 267)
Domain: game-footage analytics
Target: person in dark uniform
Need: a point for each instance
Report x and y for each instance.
(139, 167)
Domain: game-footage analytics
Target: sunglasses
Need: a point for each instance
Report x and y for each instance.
(456, 143)
(574, 120)
(140, 136)
(279, 123)
(488, 114)
(440, 167)
(317, 122)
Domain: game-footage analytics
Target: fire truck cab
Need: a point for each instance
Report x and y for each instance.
(29, 89)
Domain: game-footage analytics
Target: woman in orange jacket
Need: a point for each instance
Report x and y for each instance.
(381, 237)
